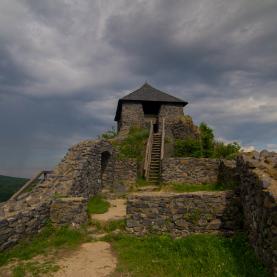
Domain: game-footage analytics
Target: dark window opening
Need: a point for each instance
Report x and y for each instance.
(156, 128)
(105, 156)
(151, 108)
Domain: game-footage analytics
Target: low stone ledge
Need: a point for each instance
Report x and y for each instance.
(181, 214)
(69, 211)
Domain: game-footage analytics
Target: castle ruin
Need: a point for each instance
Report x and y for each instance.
(92, 166)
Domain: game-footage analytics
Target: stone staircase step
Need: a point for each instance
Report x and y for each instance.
(147, 189)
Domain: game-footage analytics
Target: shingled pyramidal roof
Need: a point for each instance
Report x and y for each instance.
(147, 93)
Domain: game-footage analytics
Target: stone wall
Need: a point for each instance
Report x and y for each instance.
(183, 214)
(69, 211)
(120, 174)
(189, 170)
(125, 174)
(131, 115)
(170, 112)
(79, 174)
(22, 223)
(183, 128)
(258, 185)
(227, 173)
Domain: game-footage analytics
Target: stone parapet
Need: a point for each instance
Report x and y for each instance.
(183, 214)
(189, 170)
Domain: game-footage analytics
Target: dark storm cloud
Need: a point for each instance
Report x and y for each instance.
(191, 44)
(64, 64)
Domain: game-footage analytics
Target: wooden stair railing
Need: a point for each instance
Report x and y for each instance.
(155, 164)
(31, 182)
(148, 152)
(163, 137)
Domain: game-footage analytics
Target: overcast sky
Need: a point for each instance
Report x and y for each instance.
(65, 63)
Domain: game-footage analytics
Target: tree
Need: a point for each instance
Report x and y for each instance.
(207, 140)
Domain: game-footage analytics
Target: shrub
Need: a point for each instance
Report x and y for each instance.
(134, 145)
(187, 148)
(110, 134)
(207, 140)
(227, 151)
(205, 147)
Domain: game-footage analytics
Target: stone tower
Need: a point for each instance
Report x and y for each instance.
(148, 104)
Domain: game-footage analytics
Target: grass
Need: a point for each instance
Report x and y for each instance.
(34, 269)
(181, 187)
(98, 205)
(108, 226)
(48, 239)
(141, 182)
(9, 185)
(196, 255)
(133, 146)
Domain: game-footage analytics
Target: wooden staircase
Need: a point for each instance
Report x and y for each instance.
(155, 163)
(154, 155)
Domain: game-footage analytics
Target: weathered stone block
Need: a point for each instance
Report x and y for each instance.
(69, 211)
(189, 170)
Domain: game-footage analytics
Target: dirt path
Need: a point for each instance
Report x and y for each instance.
(116, 211)
(92, 260)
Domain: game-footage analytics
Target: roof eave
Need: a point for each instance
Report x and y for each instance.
(120, 101)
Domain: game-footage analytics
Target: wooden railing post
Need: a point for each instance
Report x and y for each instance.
(148, 152)
(30, 183)
(163, 137)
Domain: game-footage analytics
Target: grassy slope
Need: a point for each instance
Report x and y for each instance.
(180, 187)
(98, 205)
(195, 255)
(9, 185)
(204, 255)
(48, 241)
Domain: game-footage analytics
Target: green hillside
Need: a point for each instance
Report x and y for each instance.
(9, 185)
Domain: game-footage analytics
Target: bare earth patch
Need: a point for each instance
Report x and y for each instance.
(91, 260)
(116, 211)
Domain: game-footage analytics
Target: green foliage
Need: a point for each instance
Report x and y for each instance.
(187, 148)
(9, 185)
(195, 255)
(227, 151)
(205, 147)
(133, 146)
(110, 134)
(141, 182)
(49, 238)
(98, 205)
(207, 137)
(181, 187)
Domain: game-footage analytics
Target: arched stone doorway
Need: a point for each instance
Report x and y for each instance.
(106, 172)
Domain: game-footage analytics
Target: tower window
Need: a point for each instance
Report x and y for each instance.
(151, 108)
